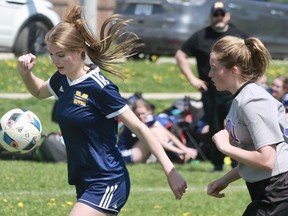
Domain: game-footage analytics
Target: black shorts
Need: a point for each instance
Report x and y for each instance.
(269, 197)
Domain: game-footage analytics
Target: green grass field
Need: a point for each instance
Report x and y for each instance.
(35, 188)
(143, 76)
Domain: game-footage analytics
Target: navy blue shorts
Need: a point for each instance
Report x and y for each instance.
(104, 197)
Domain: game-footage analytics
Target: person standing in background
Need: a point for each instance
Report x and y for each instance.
(216, 104)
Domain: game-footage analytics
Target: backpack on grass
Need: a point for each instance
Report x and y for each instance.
(53, 149)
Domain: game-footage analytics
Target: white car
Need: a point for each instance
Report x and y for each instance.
(23, 25)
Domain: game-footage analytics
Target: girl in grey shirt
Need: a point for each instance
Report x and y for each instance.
(256, 128)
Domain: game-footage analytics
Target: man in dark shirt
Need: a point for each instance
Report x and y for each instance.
(216, 104)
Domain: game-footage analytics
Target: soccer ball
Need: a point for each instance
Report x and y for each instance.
(20, 131)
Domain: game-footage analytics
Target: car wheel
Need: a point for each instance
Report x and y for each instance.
(31, 39)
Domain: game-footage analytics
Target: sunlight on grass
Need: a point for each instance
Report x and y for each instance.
(140, 76)
(45, 191)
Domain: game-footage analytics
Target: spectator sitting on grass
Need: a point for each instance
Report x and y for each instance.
(134, 151)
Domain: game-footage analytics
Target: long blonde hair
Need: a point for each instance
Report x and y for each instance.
(114, 42)
(249, 54)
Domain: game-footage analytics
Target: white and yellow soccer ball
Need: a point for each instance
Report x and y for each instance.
(20, 131)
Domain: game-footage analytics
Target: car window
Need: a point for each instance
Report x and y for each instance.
(143, 9)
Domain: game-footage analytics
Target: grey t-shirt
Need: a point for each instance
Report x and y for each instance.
(255, 120)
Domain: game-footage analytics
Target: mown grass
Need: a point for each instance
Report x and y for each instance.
(141, 76)
(35, 188)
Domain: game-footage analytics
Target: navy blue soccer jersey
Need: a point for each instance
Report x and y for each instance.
(87, 113)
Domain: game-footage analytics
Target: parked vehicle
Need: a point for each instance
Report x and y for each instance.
(163, 25)
(23, 25)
